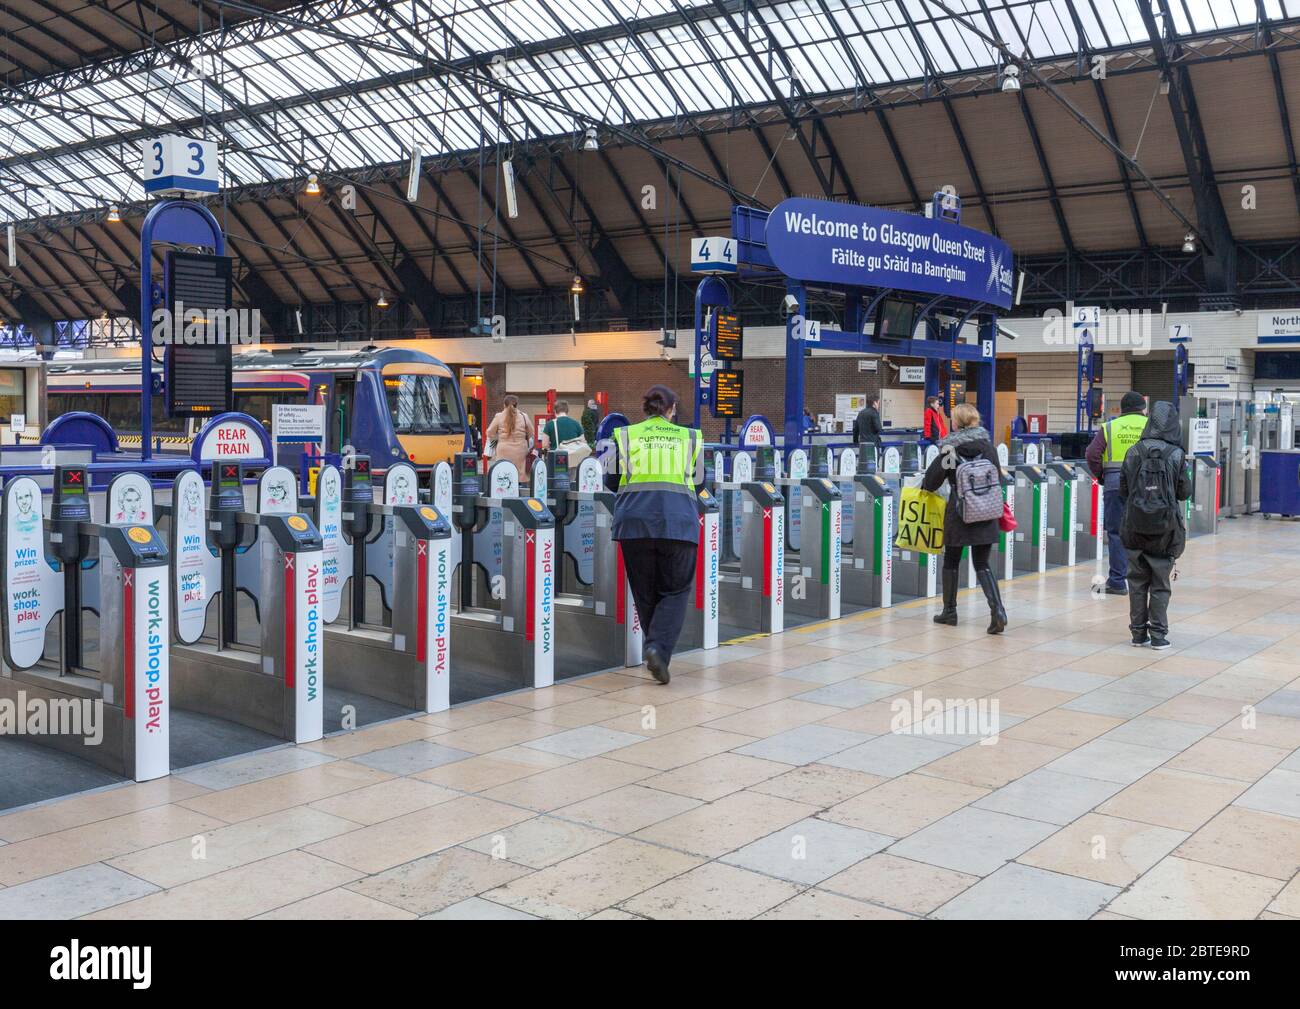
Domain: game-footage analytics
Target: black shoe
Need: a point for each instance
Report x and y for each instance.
(1159, 643)
(1112, 591)
(1140, 638)
(949, 613)
(656, 663)
(997, 614)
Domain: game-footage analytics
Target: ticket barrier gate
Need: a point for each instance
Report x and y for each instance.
(402, 655)
(752, 591)
(504, 622)
(273, 556)
(1030, 550)
(1062, 504)
(700, 628)
(1203, 506)
(814, 573)
(597, 626)
(116, 715)
(869, 564)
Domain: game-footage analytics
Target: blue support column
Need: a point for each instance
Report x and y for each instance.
(794, 367)
(986, 373)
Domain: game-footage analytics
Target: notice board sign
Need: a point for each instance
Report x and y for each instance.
(728, 337)
(729, 394)
(297, 424)
(196, 372)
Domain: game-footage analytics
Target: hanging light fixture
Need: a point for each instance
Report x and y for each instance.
(576, 289)
(383, 299)
(589, 141)
(313, 185)
(114, 215)
(1011, 77)
(1189, 243)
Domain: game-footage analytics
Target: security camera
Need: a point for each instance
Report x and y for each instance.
(790, 305)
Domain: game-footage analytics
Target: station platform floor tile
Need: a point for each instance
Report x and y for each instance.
(876, 767)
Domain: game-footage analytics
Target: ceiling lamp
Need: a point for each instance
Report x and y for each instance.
(1011, 78)
(383, 300)
(313, 186)
(114, 215)
(589, 141)
(1189, 242)
(577, 287)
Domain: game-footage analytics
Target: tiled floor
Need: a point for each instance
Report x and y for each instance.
(773, 778)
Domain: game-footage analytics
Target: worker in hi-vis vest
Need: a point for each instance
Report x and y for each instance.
(656, 521)
(1105, 455)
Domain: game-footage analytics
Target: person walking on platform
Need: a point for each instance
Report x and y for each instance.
(1152, 483)
(1105, 456)
(867, 428)
(968, 462)
(656, 521)
(935, 427)
(510, 436)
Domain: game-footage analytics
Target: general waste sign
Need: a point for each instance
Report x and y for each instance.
(842, 243)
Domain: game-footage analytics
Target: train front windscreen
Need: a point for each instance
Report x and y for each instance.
(423, 404)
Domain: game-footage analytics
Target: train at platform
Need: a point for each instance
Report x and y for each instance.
(391, 404)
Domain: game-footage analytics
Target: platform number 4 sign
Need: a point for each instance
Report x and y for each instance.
(713, 255)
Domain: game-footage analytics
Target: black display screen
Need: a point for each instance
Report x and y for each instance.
(197, 374)
(728, 393)
(895, 320)
(728, 337)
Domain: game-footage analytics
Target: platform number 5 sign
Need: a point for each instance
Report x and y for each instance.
(178, 166)
(986, 348)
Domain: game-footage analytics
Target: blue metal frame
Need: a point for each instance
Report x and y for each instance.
(178, 222)
(1085, 382)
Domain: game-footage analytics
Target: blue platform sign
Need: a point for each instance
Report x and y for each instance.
(843, 243)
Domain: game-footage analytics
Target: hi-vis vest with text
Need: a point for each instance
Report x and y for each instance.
(657, 455)
(1122, 433)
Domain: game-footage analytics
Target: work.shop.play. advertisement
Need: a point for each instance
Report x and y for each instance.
(842, 243)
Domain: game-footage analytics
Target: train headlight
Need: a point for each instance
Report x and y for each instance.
(397, 452)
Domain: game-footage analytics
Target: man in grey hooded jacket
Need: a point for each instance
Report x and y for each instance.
(1153, 483)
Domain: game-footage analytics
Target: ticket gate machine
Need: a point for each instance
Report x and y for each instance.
(868, 565)
(700, 629)
(598, 628)
(752, 593)
(1030, 550)
(814, 573)
(915, 574)
(404, 546)
(274, 557)
(63, 566)
(1062, 505)
(504, 621)
(1202, 513)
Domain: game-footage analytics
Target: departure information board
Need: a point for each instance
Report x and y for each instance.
(197, 374)
(728, 393)
(728, 337)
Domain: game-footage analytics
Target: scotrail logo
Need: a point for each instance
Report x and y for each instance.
(1000, 277)
(311, 642)
(155, 654)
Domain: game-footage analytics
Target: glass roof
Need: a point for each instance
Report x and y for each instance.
(334, 86)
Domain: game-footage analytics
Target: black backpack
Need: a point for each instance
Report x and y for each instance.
(1152, 504)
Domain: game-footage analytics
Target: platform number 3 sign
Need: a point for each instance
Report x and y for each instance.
(179, 166)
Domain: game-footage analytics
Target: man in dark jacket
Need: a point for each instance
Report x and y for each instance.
(1153, 482)
(1105, 455)
(867, 426)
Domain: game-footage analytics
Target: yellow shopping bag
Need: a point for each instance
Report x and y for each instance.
(920, 521)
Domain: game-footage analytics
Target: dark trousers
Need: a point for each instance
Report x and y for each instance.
(1119, 563)
(1149, 579)
(979, 555)
(661, 574)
